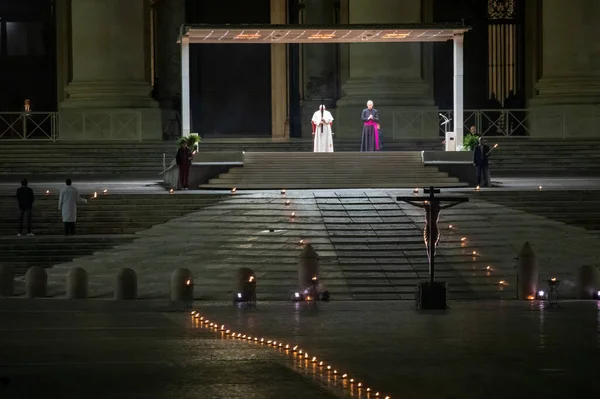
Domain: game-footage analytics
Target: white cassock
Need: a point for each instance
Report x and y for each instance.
(67, 203)
(323, 141)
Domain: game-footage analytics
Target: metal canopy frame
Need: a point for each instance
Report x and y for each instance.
(307, 34)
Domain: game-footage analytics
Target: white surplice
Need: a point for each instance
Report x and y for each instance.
(67, 203)
(323, 138)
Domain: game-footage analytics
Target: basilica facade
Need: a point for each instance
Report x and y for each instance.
(535, 61)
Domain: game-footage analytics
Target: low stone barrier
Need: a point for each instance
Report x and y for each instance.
(244, 285)
(308, 266)
(77, 283)
(36, 282)
(126, 285)
(7, 281)
(588, 282)
(182, 285)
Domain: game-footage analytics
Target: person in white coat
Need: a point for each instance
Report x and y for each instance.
(67, 204)
(322, 133)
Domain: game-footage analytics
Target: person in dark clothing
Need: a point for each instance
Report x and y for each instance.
(184, 161)
(481, 162)
(25, 198)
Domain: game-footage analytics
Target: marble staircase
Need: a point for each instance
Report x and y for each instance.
(545, 157)
(575, 207)
(276, 170)
(102, 223)
(371, 247)
(47, 160)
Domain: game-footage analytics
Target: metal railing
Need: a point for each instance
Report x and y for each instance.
(73, 125)
(556, 122)
(28, 125)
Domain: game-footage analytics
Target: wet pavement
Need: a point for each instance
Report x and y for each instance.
(112, 353)
(473, 350)
(61, 349)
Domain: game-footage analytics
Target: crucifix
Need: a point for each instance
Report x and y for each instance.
(431, 232)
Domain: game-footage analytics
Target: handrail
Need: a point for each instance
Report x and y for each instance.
(88, 125)
(552, 122)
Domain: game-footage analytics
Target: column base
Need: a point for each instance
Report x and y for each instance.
(110, 124)
(567, 91)
(108, 95)
(564, 121)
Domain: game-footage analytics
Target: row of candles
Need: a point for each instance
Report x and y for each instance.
(95, 195)
(341, 380)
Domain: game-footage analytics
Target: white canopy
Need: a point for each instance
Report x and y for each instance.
(319, 34)
(306, 34)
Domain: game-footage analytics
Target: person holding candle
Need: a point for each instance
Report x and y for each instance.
(481, 161)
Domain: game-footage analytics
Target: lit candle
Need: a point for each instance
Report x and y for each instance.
(416, 191)
(105, 192)
(477, 188)
(47, 192)
(474, 253)
(283, 191)
(233, 190)
(463, 239)
(540, 188)
(95, 194)
(293, 215)
(171, 191)
(450, 227)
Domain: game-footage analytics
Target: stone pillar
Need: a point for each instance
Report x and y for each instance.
(108, 97)
(567, 95)
(318, 64)
(393, 75)
(279, 92)
(170, 15)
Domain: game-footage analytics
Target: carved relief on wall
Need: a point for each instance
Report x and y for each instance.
(501, 9)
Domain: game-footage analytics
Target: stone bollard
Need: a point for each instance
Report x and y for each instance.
(36, 282)
(527, 273)
(588, 282)
(244, 287)
(77, 283)
(126, 285)
(182, 285)
(308, 266)
(7, 281)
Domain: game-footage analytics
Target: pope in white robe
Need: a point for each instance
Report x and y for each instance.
(323, 135)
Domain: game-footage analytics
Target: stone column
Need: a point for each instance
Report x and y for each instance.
(567, 95)
(319, 64)
(393, 75)
(279, 92)
(108, 97)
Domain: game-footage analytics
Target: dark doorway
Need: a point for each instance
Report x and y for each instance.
(27, 55)
(230, 89)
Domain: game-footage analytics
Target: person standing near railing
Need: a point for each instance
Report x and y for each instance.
(184, 159)
(25, 198)
(481, 162)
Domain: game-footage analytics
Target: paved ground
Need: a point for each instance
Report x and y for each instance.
(474, 350)
(371, 247)
(106, 352)
(102, 349)
(149, 186)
